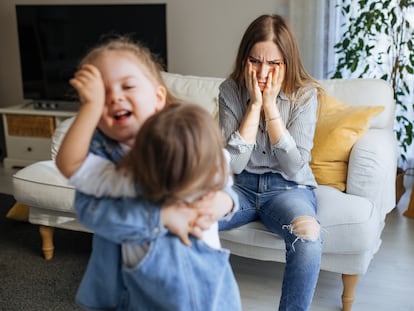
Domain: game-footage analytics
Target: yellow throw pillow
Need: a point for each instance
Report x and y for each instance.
(19, 212)
(338, 127)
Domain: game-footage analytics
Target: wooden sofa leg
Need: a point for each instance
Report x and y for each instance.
(46, 233)
(349, 282)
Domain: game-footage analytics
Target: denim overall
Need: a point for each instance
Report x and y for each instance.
(198, 278)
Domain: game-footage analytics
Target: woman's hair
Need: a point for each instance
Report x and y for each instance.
(178, 155)
(276, 29)
(150, 64)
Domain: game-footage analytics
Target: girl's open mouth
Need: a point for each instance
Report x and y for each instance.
(120, 115)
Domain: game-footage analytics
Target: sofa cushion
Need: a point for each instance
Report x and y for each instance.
(198, 90)
(338, 127)
(58, 135)
(42, 185)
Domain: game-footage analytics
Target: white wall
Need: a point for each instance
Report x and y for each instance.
(203, 36)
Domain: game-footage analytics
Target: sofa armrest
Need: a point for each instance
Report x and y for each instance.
(372, 168)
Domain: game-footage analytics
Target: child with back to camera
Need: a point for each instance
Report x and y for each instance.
(120, 87)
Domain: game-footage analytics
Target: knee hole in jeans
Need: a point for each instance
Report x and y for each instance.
(305, 228)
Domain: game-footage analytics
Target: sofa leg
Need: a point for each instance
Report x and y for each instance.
(349, 282)
(46, 233)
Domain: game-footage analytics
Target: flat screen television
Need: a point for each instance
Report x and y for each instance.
(53, 38)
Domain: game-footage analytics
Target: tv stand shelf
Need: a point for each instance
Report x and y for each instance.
(28, 133)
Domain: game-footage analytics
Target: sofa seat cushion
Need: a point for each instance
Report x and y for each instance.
(41, 185)
(349, 225)
(58, 219)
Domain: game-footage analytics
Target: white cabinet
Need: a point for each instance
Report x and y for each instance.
(28, 133)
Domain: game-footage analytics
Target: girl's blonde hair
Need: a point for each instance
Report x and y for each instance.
(276, 29)
(178, 155)
(150, 64)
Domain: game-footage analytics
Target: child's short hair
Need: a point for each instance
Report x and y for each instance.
(178, 155)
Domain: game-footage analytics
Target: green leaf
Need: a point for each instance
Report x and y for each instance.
(354, 65)
(346, 9)
(345, 43)
(393, 19)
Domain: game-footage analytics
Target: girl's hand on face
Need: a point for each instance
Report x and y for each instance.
(89, 85)
(252, 85)
(274, 84)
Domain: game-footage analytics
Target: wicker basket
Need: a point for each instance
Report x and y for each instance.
(30, 126)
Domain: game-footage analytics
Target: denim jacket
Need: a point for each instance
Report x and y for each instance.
(107, 285)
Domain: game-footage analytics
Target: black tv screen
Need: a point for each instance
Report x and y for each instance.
(53, 39)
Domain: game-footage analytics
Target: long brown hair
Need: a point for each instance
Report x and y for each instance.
(274, 28)
(149, 62)
(178, 153)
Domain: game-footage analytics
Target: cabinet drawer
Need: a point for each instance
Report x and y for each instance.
(30, 126)
(28, 148)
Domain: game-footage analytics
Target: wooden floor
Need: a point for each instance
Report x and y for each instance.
(387, 286)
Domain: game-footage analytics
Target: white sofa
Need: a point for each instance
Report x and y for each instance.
(352, 221)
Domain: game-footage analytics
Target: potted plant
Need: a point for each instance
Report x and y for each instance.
(378, 42)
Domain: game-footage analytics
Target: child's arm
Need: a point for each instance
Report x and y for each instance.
(75, 146)
(100, 177)
(134, 220)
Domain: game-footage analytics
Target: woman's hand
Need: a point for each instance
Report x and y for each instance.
(250, 78)
(274, 124)
(251, 120)
(273, 85)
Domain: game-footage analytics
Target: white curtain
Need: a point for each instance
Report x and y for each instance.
(315, 23)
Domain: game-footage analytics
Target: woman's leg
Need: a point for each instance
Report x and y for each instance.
(245, 185)
(291, 213)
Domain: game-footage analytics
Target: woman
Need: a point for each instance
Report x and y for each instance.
(268, 111)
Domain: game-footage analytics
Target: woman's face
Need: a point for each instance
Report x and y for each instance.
(264, 57)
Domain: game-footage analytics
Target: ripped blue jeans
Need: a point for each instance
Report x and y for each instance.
(288, 210)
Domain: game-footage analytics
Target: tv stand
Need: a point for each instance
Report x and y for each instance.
(28, 133)
(55, 105)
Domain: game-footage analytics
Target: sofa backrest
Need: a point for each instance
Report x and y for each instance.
(369, 92)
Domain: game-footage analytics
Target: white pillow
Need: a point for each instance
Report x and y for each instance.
(194, 89)
(58, 136)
